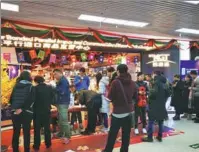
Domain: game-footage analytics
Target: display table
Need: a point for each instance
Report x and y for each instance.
(7, 123)
(71, 109)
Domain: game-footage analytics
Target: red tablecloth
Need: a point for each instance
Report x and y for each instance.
(72, 109)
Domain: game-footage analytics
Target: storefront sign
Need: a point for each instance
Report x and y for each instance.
(160, 60)
(35, 42)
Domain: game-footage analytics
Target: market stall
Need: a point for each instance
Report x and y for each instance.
(42, 48)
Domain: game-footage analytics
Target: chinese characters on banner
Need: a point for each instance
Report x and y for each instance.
(7, 57)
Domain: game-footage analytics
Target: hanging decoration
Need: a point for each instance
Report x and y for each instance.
(119, 60)
(110, 60)
(128, 60)
(63, 59)
(20, 57)
(101, 59)
(135, 59)
(73, 58)
(83, 56)
(52, 58)
(32, 54)
(6, 25)
(7, 57)
(41, 55)
(47, 52)
(124, 61)
(91, 56)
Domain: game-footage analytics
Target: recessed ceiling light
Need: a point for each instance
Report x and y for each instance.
(10, 7)
(111, 20)
(193, 2)
(186, 30)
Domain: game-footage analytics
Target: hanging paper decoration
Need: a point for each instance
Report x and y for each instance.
(83, 56)
(73, 58)
(101, 59)
(63, 59)
(33, 54)
(20, 57)
(91, 56)
(135, 59)
(52, 58)
(119, 60)
(7, 57)
(41, 55)
(110, 60)
(128, 60)
(47, 52)
(124, 60)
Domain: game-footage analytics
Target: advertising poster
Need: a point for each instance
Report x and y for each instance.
(187, 66)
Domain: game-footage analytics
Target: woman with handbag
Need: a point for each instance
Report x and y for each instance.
(21, 101)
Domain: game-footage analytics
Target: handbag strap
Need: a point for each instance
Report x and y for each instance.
(124, 94)
(30, 91)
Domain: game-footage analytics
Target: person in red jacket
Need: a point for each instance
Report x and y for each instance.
(121, 94)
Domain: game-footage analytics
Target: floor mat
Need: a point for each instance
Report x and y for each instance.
(92, 143)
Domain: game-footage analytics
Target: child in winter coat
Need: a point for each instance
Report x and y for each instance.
(102, 86)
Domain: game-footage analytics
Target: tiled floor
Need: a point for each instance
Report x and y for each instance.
(179, 143)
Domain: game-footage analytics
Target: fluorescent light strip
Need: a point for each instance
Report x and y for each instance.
(186, 30)
(193, 2)
(10, 7)
(111, 20)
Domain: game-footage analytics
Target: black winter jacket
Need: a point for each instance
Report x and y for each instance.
(22, 96)
(43, 99)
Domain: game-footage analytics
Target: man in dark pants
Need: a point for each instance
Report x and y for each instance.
(43, 100)
(93, 102)
(194, 94)
(121, 93)
(157, 111)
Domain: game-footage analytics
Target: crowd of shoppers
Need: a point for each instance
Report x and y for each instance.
(144, 99)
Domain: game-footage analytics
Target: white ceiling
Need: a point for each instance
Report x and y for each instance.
(164, 16)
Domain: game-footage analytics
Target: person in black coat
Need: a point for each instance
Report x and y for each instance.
(93, 102)
(22, 99)
(186, 91)
(43, 99)
(157, 110)
(177, 97)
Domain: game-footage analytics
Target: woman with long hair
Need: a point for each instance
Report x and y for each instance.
(22, 99)
(103, 83)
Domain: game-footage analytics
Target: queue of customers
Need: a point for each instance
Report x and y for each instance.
(145, 99)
